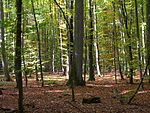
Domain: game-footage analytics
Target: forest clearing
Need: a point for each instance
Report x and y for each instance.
(55, 96)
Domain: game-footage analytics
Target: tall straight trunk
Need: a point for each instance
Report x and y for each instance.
(138, 38)
(114, 40)
(125, 16)
(96, 40)
(78, 37)
(23, 54)
(143, 31)
(52, 50)
(70, 38)
(119, 63)
(148, 34)
(90, 38)
(61, 42)
(4, 56)
(18, 72)
(39, 44)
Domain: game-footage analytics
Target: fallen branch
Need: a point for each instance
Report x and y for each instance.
(75, 107)
(141, 83)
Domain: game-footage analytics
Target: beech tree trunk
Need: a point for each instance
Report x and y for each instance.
(4, 56)
(148, 34)
(96, 40)
(18, 72)
(90, 44)
(78, 37)
(39, 44)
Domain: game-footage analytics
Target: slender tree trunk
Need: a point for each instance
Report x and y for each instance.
(148, 34)
(96, 40)
(114, 40)
(23, 57)
(90, 44)
(4, 56)
(61, 42)
(52, 50)
(39, 45)
(143, 31)
(69, 7)
(138, 37)
(85, 43)
(125, 16)
(18, 55)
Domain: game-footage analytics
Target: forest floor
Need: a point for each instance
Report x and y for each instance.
(56, 97)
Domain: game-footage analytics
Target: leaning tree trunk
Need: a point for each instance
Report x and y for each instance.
(39, 45)
(18, 72)
(4, 58)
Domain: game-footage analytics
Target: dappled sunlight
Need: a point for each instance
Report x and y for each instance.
(55, 91)
(141, 92)
(95, 85)
(125, 91)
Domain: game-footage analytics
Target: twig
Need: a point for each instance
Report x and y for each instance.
(63, 13)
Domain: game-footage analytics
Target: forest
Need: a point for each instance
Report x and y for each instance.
(74, 56)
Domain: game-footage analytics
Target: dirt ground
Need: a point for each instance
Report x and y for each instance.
(55, 97)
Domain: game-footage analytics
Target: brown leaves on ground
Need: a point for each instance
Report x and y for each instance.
(55, 97)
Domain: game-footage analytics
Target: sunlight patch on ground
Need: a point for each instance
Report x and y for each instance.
(95, 85)
(58, 78)
(55, 91)
(141, 92)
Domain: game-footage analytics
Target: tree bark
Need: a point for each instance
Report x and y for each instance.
(138, 38)
(148, 34)
(96, 40)
(78, 37)
(18, 72)
(90, 38)
(39, 44)
(4, 56)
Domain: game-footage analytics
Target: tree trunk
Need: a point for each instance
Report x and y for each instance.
(125, 16)
(138, 38)
(78, 37)
(39, 45)
(96, 40)
(114, 41)
(148, 33)
(4, 56)
(143, 32)
(18, 72)
(90, 44)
